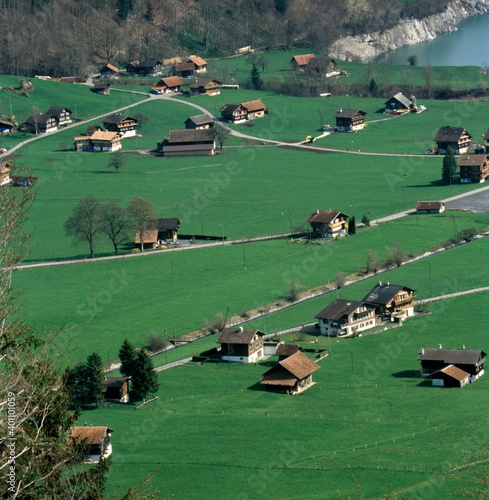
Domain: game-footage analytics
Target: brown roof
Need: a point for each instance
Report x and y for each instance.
(203, 82)
(339, 308)
(115, 381)
(198, 61)
(199, 135)
(238, 336)
(189, 66)
(453, 356)
(100, 135)
(278, 378)
(429, 205)
(470, 160)
(349, 113)
(171, 81)
(92, 435)
(303, 60)
(200, 119)
(110, 67)
(450, 134)
(252, 106)
(287, 349)
(325, 216)
(149, 236)
(299, 365)
(453, 372)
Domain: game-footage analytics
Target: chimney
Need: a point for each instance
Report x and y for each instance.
(317, 212)
(239, 330)
(422, 351)
(341, 109)
(440, 346)
(380, 283)
(463, 347)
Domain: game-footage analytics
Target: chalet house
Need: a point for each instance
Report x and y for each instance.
(350, 120)
(117, 389)
(292, 375)
(473, 168)
(188, 143)
(150, 239)
(62, 115)
(101, 88)
(346, 317)
(299, 63)
(167, 229)
(205, 86)
(456, 137)
(391, 301)
(254, 109)
(149, 67)
(450, 376)
(399, 102)
(98, 141)
(199, 122)
(430, 207)
(470, 361)
(285, 350)
(233, 113)
(199, 63)
(93, 128)
(327, 224)
(40, 124)
(168, 85)
(242, 346)
(6, 127)
(321, 67)
(125, 126)
(109, 71)
(94, 441)
(184, 70)
(5, 168)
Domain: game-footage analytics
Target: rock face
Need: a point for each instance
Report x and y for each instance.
(408, 32)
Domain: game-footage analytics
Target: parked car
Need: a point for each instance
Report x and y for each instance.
(3, 150)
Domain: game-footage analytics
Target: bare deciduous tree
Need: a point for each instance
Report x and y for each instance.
(142, 215)
(115, 222)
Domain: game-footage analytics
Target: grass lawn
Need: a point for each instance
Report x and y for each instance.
(369, 419)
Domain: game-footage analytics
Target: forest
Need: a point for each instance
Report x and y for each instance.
(73, 37)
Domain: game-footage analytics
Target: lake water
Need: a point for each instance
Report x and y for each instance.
(468, 46)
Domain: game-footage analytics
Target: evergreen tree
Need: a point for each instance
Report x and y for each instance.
(256, 80)
(352, 226)
(94, 378)
(372, 87)
(127, 356)
(449, 167)
(144, 378)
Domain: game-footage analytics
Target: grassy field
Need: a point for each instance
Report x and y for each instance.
(369, 419)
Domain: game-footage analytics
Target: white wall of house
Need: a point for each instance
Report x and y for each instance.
(256, 356)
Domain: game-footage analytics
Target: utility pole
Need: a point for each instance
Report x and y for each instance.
(244, 255)
(431, 283)
(94, 303)
(172, 278)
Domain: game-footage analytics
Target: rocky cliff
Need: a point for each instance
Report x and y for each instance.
(407, 32)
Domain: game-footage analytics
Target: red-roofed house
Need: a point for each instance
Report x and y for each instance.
(199, 63)
(328, 224)
(168, 85)
(300, 62)
(93, 441)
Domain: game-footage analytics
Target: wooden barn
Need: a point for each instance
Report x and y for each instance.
(93, 441)
(125, 126)
(199, 142)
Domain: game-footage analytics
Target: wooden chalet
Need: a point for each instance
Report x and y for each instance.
(125, 126)
(346, 317)
(285, 350)
(102, 88)
(168, 85)
(430, 207)
(233, 113)
(206, 86)
(94, 442)
(450, 376)
(473, 168)
(391, 301)
(199, 142)
(240, 345)
(5, 168)
(62, 115)
(455, 137)
(299, 63)
(98, 141)
(321, 67)
(470, 361)
(40, 124)
(109, 71)
(254, 109)
(327, 224)
(398, 102)
(167, 229)
(148, 67)
(199, 63)
(350, 120)
(6, 127)
(292, 375)
(150, 239)
(117, 389)
(184, 70)
(199, 122)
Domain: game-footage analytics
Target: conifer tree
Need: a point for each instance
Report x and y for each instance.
(352, 226)
(127, 356)
(94, 382)
(449, 166)
(256, 80)
(144, 378)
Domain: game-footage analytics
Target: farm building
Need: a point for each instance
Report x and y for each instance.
(5, 168)
(350, 120)
(285, 350)
(109, 71)
(62, 115)
(101, 88)
(238, 113)
(184, 70)
(450, 376)
(206, 86)
(94, 441)
(240, 345)
(391, 301)
(98, 141)
(199, 63)
(117, 389)
(40, 124)
(168, 85)
(199, 122)
(430, 207)
(321, 67)
(162, 232)
(299, 63)
(473, 168)
(149, 67)
(6, 127)
(399, 102)
(292, 375)
(455, 137)
(346, 317)
(470, 361)
(150, 239)
(125, 126)
(328, 224)
(188, 143)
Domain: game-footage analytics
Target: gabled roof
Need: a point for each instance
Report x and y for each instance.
(303, 60)
(287, 349)
(453, 356)
(90, 435)
(252, 106)
(400, 97)
(198, 61)
(56, 111)
(349, 113)
(383, 293)
(171, 81)
(101, 135)
(325, 216)
(471, 160)
(101, 86)
(229, 108)
(168, 223)
(320, 63)
(199, 135)
(115, 119)
(188, 66)
(338, 309)
(109, 67)
(203, 82)
(6, 124)
(38, 119)
(115, 382)
(238, 336)
(149, 236)
(429, 205)
(452, 372)
(450, 134)
(200, 119)
(299, 365)
(148, 63)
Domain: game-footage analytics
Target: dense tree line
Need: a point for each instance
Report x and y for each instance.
(72, 37)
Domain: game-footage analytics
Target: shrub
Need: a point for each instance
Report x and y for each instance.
(155, 342)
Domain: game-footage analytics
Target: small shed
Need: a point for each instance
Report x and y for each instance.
(450, 376)
(285, 350)
(398, 102)
(94, 442)
(117, 389)
(199, 122)
(101, 88)
(430, 207)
